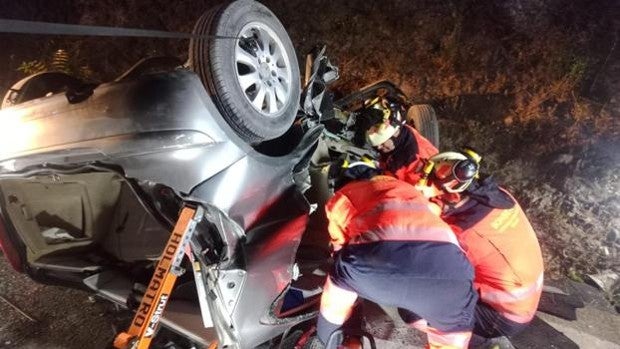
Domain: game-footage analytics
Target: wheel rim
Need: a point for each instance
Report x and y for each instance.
(263, 69)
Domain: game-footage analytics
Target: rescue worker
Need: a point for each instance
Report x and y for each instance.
(392, 250)
(401, 147)
(497, 238)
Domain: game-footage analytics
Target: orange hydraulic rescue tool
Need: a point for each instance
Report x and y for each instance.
(144, 324)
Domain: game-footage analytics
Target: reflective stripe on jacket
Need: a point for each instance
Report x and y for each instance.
(383, 209)
(503, 248)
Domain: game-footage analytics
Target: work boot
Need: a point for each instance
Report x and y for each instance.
(479, 342)
(348, 343)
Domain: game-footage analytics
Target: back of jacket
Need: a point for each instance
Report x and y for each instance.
(503, 248)
(383, 209)
(397, 252)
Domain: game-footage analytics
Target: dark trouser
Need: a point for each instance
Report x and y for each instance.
(433, 279)
(407, 316)
(428, 278)
(490, 323)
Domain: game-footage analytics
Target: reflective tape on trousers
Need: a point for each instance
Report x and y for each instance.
(457, 340)
(521, 319)
(336, 303)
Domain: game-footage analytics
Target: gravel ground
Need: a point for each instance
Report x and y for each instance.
(65, 318)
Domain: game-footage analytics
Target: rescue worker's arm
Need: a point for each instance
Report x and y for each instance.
(426, 149)
(336, 306)
(339, 212)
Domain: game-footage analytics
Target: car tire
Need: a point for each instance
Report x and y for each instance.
(249, 66)
(424, 119)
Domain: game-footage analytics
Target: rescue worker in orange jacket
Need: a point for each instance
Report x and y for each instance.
(401, 147)
(392, 250)
(497, 238)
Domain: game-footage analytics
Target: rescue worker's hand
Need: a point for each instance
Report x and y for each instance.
(336, 247)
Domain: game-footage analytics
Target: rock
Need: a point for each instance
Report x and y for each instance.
(605, 280)
(612, 237)
(564, 159)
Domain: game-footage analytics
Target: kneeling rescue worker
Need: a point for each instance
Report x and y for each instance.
(497, 238)
(401, 147)
(393, 250)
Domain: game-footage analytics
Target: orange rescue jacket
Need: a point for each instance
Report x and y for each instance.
(383, 209)
(503, 248)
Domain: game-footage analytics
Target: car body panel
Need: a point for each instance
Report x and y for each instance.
(146, 126)
(263, 270)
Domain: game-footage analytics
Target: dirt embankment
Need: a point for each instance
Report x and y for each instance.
(532, 85)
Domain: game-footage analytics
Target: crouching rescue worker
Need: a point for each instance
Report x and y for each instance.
(401, 147)
(497, 238)
(392, 250)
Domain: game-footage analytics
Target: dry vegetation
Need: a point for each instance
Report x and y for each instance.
(531, 84)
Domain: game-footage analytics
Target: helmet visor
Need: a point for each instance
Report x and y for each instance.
(455, 176)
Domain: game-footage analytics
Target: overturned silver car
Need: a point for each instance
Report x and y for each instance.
(92, 180)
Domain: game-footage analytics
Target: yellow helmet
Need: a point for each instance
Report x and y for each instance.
(380, 133)
(348, 169)
(391, 120)
(455, 171)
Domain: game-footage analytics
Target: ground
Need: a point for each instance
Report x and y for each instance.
(533, 85)
(64, 318)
